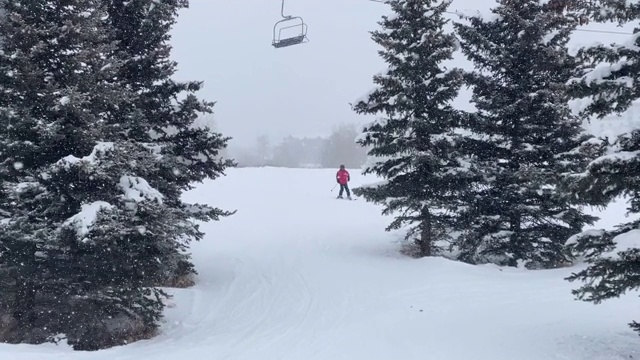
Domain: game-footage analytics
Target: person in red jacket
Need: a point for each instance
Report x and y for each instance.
(343, 177)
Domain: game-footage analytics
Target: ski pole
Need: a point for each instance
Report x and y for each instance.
(334, 186)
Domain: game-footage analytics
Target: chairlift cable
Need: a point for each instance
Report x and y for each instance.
(583, 30)
(297, 22)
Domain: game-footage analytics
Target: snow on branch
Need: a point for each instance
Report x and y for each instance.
(138, 189)
(155, 149)
(99, 149)
(169, 130)
(575, 239)
(198, 209)
(605, 70)
(485, 16)
(630, 43)
(617, 157)
(622, 243)
(84, 220)
(205, 122)
(374, 185)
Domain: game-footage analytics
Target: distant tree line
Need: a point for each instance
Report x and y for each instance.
(340, 147)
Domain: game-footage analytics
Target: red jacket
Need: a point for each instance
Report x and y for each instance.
(343, 176)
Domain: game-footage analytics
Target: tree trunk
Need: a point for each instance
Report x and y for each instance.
(426, 234)
(515, 220)
(25, 296)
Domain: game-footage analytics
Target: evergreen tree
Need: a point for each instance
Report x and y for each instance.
(121, 238)
(56, 67)
(521, 135)
(96, 217)
(414, 145)
(607, 86)
(190, 152)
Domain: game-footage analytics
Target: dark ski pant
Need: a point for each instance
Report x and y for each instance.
(344, 187)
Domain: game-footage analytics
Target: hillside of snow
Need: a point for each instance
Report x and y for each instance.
(297, 274)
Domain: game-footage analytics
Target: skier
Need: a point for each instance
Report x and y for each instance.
(343, 177)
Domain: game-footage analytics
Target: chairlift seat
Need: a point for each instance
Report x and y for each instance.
(289, 22)
(289, 41)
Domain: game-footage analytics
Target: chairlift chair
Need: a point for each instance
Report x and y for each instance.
(289, 22)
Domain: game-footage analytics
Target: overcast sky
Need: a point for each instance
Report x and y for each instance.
(303, 90)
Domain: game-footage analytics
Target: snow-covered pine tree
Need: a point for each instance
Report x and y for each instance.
(96, 216)
(56, 66)
(413, 145)
(121, 238)
(521, 135)
(607, 90)
(166, 118)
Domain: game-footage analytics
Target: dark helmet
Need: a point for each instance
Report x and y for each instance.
(341, 166)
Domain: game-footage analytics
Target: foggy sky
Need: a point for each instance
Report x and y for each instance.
(303, 90)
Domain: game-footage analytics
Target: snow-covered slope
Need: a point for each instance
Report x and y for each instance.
(296, 274)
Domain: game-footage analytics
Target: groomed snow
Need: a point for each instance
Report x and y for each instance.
(296, 274)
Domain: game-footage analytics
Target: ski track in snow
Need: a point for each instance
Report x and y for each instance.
(296, 274)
